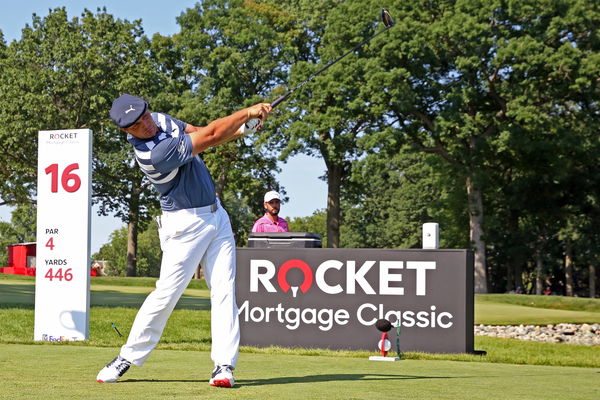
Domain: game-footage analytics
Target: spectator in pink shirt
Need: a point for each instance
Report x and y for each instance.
(271, 222)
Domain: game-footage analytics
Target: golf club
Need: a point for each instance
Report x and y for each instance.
(388, 22)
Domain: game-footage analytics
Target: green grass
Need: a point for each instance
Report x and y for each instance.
(111, 281)
(11, 277)
(551, 302)
(188, 328)
(179, 368)
(105, 293)
(68, 372)
(515, 309)
(508, 314)
(142, 281)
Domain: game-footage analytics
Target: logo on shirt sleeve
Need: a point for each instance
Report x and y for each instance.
(181, 148)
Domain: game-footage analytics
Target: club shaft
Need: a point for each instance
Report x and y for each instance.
(329, 64)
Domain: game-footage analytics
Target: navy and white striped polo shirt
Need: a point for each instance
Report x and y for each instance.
(181, 178)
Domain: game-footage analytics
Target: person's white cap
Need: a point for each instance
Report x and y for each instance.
(272, 195)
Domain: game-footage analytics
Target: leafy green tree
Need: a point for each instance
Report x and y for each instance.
(394, 193)
(64, 73)
(114, 252)
(477, 81)
(315, 223)
(328, 116)
(231, 57)
(148, 255)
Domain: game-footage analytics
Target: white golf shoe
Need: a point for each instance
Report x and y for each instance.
(113, 370)
(222, 376)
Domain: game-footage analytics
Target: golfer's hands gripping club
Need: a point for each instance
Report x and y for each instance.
(256, 115)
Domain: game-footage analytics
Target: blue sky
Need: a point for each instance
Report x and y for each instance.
(299, 176)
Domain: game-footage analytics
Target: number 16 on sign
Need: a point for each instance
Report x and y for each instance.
(62, 299)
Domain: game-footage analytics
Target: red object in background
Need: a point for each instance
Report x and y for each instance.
(384, 337)
(21, 259)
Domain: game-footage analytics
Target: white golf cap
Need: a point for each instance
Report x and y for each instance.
(271, 195)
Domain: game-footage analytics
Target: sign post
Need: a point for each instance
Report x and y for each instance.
(62, 286)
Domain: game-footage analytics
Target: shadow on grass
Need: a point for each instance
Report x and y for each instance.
(17, 293)
(112, 298)
(284, 380)
(24, 297)
(162, 381)
(199, 381)
(332, 378)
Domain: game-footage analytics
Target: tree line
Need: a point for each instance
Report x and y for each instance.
(481, 115)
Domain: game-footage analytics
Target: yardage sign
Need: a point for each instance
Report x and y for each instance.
(62, 284)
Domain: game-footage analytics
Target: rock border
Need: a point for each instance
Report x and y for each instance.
(582, 334)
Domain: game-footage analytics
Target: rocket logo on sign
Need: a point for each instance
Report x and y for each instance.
(282, 276)
(263, 274)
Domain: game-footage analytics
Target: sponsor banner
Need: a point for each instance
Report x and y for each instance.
(331, 298)
(62, 284)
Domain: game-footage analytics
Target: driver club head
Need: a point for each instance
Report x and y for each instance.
(386, 18)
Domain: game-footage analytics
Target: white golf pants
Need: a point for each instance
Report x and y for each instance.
(188, 238)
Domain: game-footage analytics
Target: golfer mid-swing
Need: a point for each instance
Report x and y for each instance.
(193, 229)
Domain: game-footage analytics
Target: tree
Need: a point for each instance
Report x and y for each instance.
(315, 223)
(473, 81)
(64, 74)
(329, 115)
(115, 252)
(231, 52)
(395, 191)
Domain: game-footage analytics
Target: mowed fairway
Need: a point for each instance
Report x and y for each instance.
(510, 314)
(68, 372)
(180, 367)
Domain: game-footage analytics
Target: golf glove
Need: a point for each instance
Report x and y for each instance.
(251, 126)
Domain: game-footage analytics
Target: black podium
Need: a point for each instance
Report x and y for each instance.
(284, 240)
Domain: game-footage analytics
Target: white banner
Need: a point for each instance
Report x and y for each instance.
(62, 285)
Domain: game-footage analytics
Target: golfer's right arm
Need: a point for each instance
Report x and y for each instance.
(223, 130)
